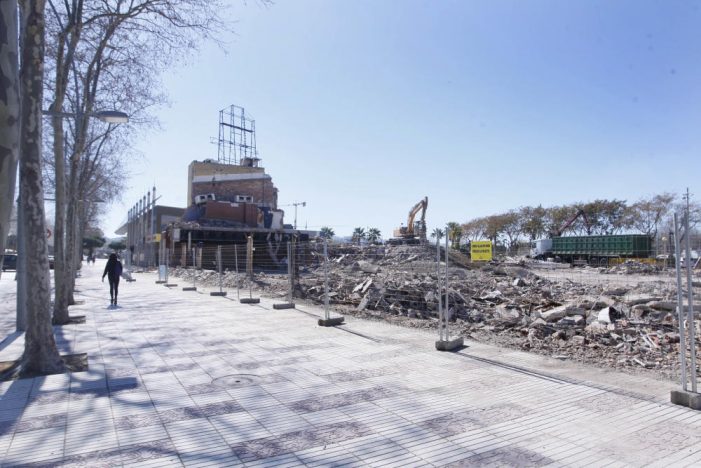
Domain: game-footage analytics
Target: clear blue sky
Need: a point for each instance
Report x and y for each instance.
(363, 107)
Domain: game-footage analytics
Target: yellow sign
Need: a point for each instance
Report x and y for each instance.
(156, 238)
(481, 251)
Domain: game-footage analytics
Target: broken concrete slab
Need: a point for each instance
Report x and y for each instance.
(553, 315)
(608, 315)
(668, 306)
(368, 267)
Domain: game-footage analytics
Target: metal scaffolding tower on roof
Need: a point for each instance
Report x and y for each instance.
(237, 138)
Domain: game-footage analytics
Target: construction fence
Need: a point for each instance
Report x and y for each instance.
(618, 316)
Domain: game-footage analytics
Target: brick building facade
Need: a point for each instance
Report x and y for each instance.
(227, 181)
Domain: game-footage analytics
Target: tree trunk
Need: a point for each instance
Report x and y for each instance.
(67, 43)
(71, 234)
(61, 292)
(9, 115)
(40, 352)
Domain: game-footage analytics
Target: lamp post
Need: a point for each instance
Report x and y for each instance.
(107, 116)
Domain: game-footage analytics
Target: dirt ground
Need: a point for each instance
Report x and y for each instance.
(622, 317)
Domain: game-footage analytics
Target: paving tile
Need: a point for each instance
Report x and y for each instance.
(340, 399)
(295, 441)
(161, 391)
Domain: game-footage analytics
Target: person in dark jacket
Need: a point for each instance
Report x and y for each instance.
(113, 270)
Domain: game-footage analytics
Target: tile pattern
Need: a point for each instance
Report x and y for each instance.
(162, 390)
(340, 399)
(269, 447)
(505, 458)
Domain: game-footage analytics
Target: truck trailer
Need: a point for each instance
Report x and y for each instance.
(593, 250)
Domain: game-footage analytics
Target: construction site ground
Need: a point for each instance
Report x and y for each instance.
(185, 378)
(622, 317)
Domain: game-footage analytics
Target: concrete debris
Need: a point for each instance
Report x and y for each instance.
(632, 267)
(631, 326)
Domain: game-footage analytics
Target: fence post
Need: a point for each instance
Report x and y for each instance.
(221, 291)
(249, 265)
(238, 279)
(194, 272)
(171, 258)
(445, 343)
(290, 261)
(167, 264)
(161, 264)
(690, 301)
(249, 257)
(446, 310)
(327, 321)
(684, 397)
(439, 294)
(680, 307)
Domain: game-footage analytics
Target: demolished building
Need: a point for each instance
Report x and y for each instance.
(230, 200)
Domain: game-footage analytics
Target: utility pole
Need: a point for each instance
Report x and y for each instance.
(296, 204)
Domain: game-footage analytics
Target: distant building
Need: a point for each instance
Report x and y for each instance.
(246, 183)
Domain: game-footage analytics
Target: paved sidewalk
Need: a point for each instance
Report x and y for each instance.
(182, 378)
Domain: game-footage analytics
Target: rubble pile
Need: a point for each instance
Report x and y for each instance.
(505, 304)
(632, 267)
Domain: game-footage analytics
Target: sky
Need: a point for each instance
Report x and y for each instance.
(364, 107)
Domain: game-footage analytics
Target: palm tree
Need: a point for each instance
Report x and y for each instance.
(373, 235)
(437, 233)
(358, 235)
(454, 234)
(326, 232)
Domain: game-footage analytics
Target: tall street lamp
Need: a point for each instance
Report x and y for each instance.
(108, 116)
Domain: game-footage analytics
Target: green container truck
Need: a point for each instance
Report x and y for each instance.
(594, 250)
(598, 249)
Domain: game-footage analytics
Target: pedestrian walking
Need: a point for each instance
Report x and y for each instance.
(113, 271)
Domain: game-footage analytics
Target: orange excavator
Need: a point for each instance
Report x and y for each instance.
(415, 230)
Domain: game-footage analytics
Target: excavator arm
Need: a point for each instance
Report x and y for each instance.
(411, 220)
(580, 212)
(409, 231)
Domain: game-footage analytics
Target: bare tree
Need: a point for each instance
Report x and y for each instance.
(511, 227)
(9, 115)
(533, 221)
(109, 54)
(647, 214)
(474, 229)
(40, 352)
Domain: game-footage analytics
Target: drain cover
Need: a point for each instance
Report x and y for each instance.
(237, 380)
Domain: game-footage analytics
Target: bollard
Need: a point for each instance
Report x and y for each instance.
(221, 291)
(327, 321)
(290, 261)
(194, 274)
(445, 343)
